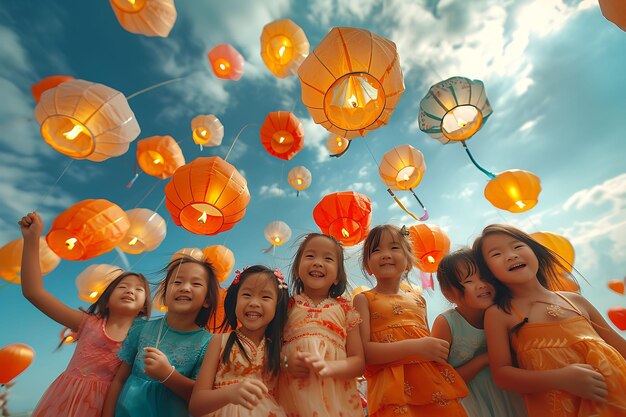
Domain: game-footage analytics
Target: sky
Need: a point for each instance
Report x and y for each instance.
(553, 71)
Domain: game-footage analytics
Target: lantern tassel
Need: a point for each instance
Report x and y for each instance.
(399, 203)
(491, 175)
(427, 281)
(425, 216)
(337, 155)
(131, 182)
(297, 193)
(268, 249)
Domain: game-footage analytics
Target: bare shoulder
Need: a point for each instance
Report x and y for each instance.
(579, 301)
(360, 301)
(495, 315)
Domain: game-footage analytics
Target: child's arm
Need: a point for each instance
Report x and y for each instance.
(425, 348)
(351, 367)
(441, 330)
(158, 367)
(110, 401)
(32, 284)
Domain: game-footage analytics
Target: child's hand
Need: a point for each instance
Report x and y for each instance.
(156, 364)
(248, 393)
(31, 225)
(432, 349)
(297, 365)
(584, 381)
(318, 365)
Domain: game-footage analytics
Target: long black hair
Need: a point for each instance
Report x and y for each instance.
(450, 268)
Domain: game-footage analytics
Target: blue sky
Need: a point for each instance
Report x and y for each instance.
(553, 71)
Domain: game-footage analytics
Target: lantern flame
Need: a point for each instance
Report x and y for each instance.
(93, 294)
(133, 241)
(339, 142)
(430, 259)
(281, 139)
(520, 204)
(202, 218)
(461, 122)
(281, 51)
(68, 340)
(277, 239)
(71, 135)
(132, 2)
(71, 242)
(345, 233)
(222, 67)
(203, 132)
(299, 181)
(353, 102)
(157, 161)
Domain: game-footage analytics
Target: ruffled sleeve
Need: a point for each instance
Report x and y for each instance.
(353, 318)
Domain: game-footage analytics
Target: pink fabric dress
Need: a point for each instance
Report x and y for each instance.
(81, 389)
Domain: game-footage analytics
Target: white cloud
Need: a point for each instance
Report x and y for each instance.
(529, 125)
(465, 194)
(322, 11)
(273, 190)
(315, 139)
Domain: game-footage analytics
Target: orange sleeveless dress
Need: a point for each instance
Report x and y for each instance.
(411, 387)
(553, 345)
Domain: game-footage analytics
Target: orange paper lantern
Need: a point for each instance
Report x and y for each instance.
(614, 11)
(207, 130)
(514, 190)
(226, 62)
(146, 232)
(14, 359)
(207, 196)
(430, 244)
(617, 315)
(11, 260)
(94, 279)
(159, 156)
(282, 134)
(402, 168)
(48, 83)
(145, 17)
(616, 285)
(345, 215)
(222, 259)
(336, 144)
(565, 251)
(299, 178)
(283, 47)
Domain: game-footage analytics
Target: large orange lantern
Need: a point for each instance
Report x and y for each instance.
(430, 244)
(614, 11)
(94, 279)
(299, 178)
(159, 156)
(514, 190)
(277, 233)
(48, 83)
(145, 17)
(207, 196)
(11, 260)
(146, 232)
(222, 259)
(226, 62)
(14, 359)
(565, 252)
(87, 229)
(85, 120)
(207, 130)
(283, 47)
(282, 134)
(352, 81)
(345, 215)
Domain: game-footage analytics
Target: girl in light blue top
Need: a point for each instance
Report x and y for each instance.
(462, 327)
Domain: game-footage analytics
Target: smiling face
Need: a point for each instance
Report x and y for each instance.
(186, 289)
(318, 267)
(129, 296)
(477, 293)
(510, 260)
(256, 303)
(387, 260)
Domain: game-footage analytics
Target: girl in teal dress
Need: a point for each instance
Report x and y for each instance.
(462, 327)
(161, 358)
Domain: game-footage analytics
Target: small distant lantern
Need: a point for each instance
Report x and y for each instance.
(159, 156)
(345, 215)
(68, 336)
(207, 130)
(92, 282)
(283, 47)
(226, 62)
(430, 244)
(282, 134)
(11, 260)
(277, 233)
(614, 11)
(514, 190)
(222, 259)
(146, 232)
(617, 315)
(564, 250)
(299, 178)
(48, 83)
(336, 144)
(145, 17)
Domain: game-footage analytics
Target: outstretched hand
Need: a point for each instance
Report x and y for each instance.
(157, 366)
(31, 225)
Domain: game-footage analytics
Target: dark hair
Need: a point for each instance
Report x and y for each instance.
(373, 240)
(336, 290)
(273, 331)
(101, 308)
(450, 268)
(171, 269)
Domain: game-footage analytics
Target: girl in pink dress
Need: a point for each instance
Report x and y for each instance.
(80, 390)
(239, 370)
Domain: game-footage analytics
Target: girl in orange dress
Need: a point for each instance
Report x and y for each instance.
(407, 370)
(567, 361)
(239, 370)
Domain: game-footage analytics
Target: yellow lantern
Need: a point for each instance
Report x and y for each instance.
(92, 282)
(207, 130)
(277, 233)
(402, 168)
(222, 259)
(145, 17)
(146, 232)
(337, 145)
(85, 120)
(299, 178)
(159, 156)
(565, 253)
(352, 81)
(514, 190)
(283, 47)
(11, 260)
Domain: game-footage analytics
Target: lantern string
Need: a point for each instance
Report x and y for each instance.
(491, 175)
(56, 182)
(160, 204)
(147, 194)
(237, 137)
(152, 87)
(425, 216)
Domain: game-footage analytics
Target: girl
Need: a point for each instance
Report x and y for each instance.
(571, 363)
(81, 389)
(322, 352)
(165, 355)
(462, 327)
(407, 372)
(240, 369)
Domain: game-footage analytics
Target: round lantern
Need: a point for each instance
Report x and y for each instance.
(282, 134)
(565, 252)
(430, 244)
(145, 17)
(344, 215)
(454, 109)
(146, 232)
(226, 62)
(14, 359)
(48, 83)
(222, 259)
(67, 336)
(299, 178)
(614, 11)
(277, 233)
(159, 156)
(352, 81)
(92, 282)
(337, 145)
(283, 47)
(195, 253)
(207, 130)
(617, 315)
(402, 168)
(85, 120)
(514, 190)
(207, 196)
(11, 260)
(617, 285)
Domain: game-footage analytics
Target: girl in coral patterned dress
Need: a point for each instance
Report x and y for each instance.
(407, 370)
(570, 363)
(239, 370)
(322, 352)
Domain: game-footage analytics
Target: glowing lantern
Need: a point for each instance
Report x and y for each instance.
(277, 233)
(226, 62)
(358, 290)
(207, 130)
(87, 229)
(207, 196)
(85, 120)
(195, 253)
(222, 259)
(67, 336)
(614, 11)
(337, 145)
(616, 285)
(430, 244)
(617, 315)
(514, 190)
(352, 81)
(565, 252)
(11, 260)
(283, 47)
(48, 83)
(146, 232)
(145, 17)
(14, 359)
(344, 215)
(282, 134)
(92, 282)
(159, 156)
(299, 178)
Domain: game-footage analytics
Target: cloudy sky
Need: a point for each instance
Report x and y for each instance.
(553, 71)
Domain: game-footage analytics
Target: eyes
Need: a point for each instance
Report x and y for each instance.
(195, 284)
(246, 294)
(327, 258)
(496, 253)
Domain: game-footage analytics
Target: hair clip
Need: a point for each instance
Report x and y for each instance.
(404, 230)
(282, 285)
(238, 275)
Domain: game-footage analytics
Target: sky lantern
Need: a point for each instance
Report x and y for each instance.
(145, 17)
(352, 81)
(283, 47)
(87, 229)
(299, 178)
(207, 130)
(11, 260)
(85, 120)
(337, 145)
(14, 359)
(146, 232)
(226, 62)
(159, 156)
(94, 279)
(207, 196)
(617, 315)
(565, 253)
(430, 244)
(345, 215)
(282, 134)
(47, 83)
(67, 336)
(614, 11)
(277, 233)
(514, 190)
(222, 259)
(617, 285)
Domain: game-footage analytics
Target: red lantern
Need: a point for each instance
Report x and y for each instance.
(282, 134)
(344, 215)
(48, 83)
(617, 315)
(430, 244)
(226, 62)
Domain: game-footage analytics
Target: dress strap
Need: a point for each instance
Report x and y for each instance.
(517, 312)
(570, 303)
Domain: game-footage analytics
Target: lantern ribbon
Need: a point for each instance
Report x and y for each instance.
(399, 203)
(491, 175)
(427, 280)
